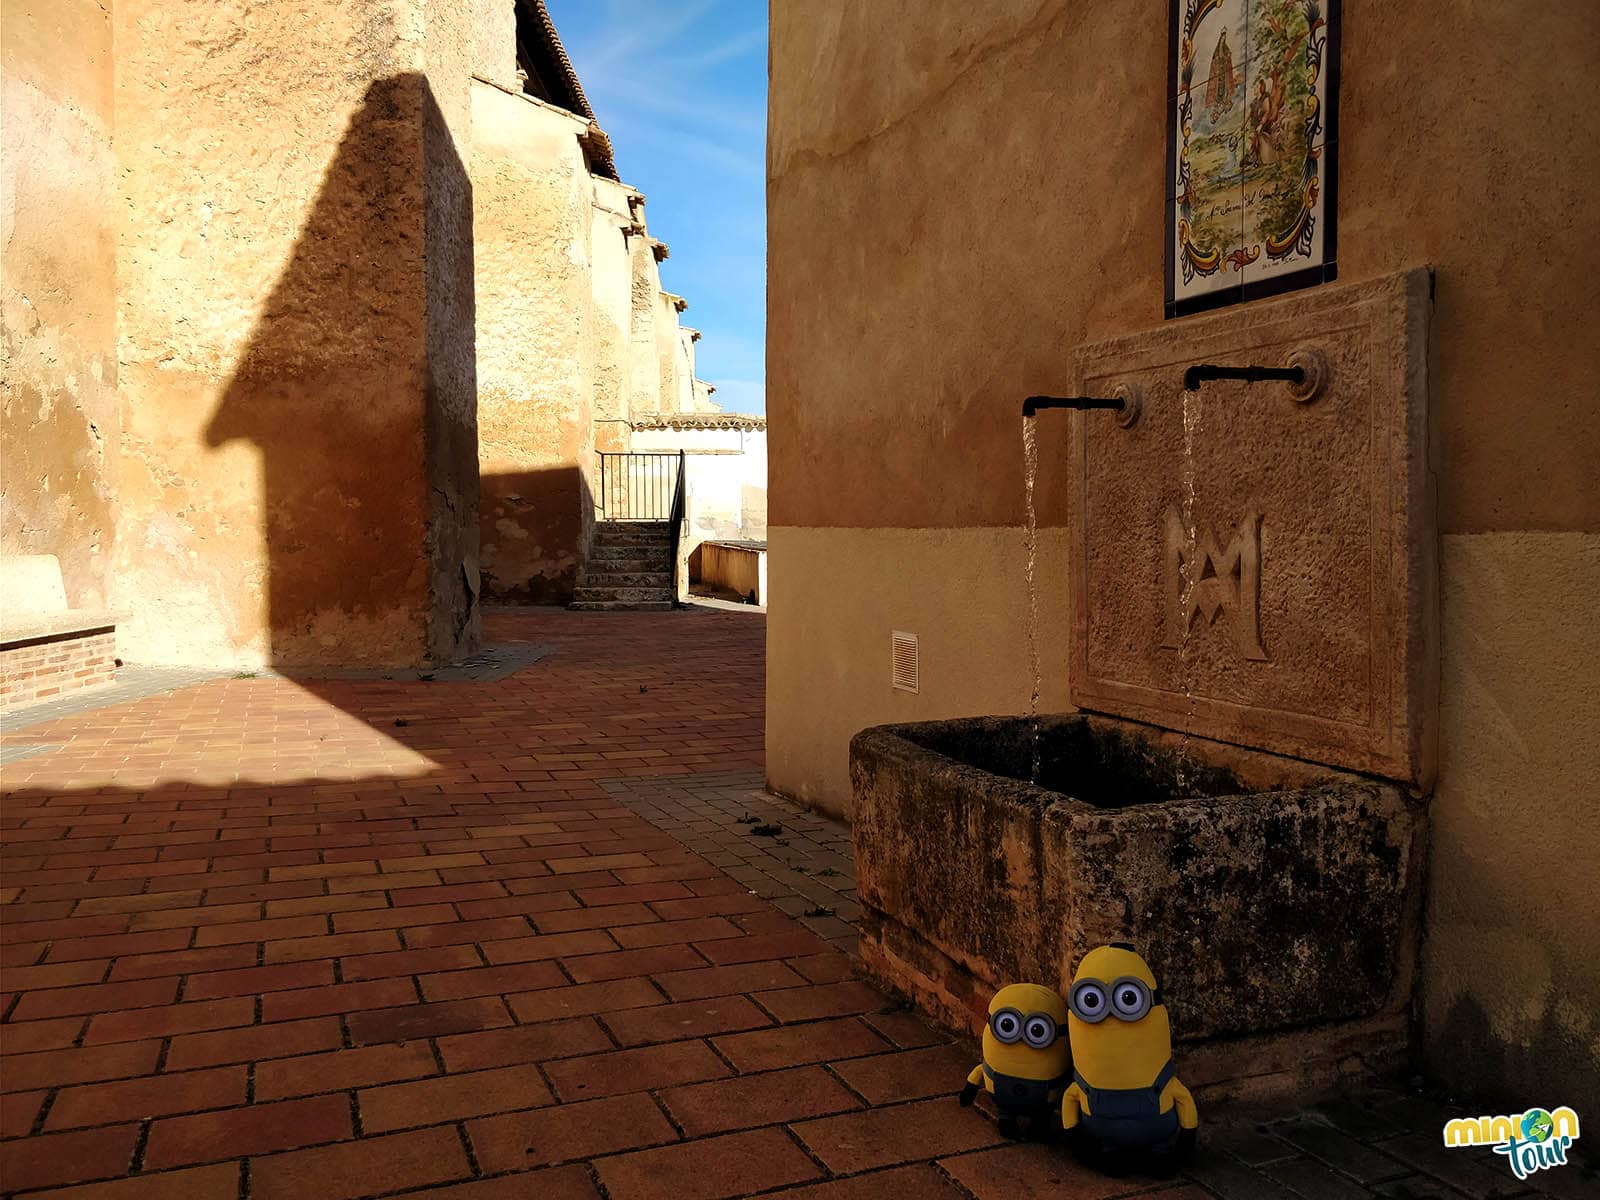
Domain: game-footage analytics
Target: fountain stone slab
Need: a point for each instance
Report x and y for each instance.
(1255, 567)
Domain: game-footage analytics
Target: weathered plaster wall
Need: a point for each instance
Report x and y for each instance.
(296, 370)
(959, 195)
(58, 317)
(534, 206)
(612, 286)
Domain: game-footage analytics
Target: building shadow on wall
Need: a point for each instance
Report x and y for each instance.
(537, 527)
(359, 388)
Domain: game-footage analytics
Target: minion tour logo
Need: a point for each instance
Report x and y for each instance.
(1533, 1141)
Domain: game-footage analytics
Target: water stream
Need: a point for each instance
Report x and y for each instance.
(1030, 470)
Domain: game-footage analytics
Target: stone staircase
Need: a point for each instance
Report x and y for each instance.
(629, 568)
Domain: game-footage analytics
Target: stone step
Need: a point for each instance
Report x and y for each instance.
(627, 579)
(629, 595)
(632, 541)
(657, 530)
(621, 606)
(629, 558)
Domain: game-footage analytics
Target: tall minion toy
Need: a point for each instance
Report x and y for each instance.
(1124, 1096)
(1024, 1063)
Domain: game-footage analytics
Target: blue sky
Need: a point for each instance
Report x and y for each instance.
(681, 87)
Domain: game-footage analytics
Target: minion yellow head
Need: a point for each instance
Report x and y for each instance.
(1117, 1025)
(1023, 1036)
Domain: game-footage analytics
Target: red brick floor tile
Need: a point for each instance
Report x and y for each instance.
(183, 962)
(897, 1183)
(534, 947)
(584, 999)
(881, 1137)
(457, 932)
(96, 998)
(622, 964)
(367, 1167)
(219, 1181)
(88, 1064)
(622, 1071)
(491, 981)
(324, 1001)
(524, 1044)
(54, 1034)
(336, 1070)
(824, 968)
(303, 949)
(708, 906)
(61, 1158)
(1030, 1170)
(693, 1018)
(150, 1096)
(409, 962)
(568, 1132)
(375, 1026)
(822, 1000)
(56, 975)
(907, 1074)
(169, 1020)
(700, 929)
(610, 916)
(724, 981)
(906, 1029)
(253, 1043)
(253, 980)
(451, 1098)
(18, 1111)
(553, 1183)
(794, 1045)
(114, 946)
(750, 1100)
(271, 929)
(256, 1129)
(735, 1164)
(791, 943)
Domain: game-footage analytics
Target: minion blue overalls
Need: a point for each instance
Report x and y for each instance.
(1129, 1117)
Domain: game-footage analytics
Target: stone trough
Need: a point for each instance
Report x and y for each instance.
(1252, 649)
(1277, 899)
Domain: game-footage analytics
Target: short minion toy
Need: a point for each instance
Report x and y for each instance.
(1024, 1057)
(1123, 1097)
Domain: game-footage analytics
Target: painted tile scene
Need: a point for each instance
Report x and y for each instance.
(1252, 116)
(799, 599)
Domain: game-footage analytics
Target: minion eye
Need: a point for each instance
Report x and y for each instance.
(1088, 1001)
(1007, 1025)
(1130, 999)
(1039, 1031)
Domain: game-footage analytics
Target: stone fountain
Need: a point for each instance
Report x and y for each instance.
(1253, 657)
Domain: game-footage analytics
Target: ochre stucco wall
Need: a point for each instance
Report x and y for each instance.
(58, 318)
(959, 195)
(533, 202)
(295, 303)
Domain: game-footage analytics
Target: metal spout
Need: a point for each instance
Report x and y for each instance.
(1201, 372)
(1033, 404)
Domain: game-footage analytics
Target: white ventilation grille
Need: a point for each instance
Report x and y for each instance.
(904, 654)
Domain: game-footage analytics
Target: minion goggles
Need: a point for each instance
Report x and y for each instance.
(1010, 1027)
(1128, 999)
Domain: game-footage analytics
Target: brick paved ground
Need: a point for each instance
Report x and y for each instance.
(506, 938)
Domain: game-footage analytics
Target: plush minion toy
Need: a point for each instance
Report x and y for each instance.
(1024, 1057)
(1124, 1098)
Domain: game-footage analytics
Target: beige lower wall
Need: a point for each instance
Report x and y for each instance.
(1512, 959)
(835, 595)
(1511, 970)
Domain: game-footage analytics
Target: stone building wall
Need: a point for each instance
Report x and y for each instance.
(538, 336)
(59, 430)
(296, 316)
(959, 196)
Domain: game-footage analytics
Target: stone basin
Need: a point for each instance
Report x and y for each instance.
(1277, 900)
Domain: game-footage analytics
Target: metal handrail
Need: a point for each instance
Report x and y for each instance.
(639, 487)
(680, 502)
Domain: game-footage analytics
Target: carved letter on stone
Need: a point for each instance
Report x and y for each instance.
(1202, 580)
